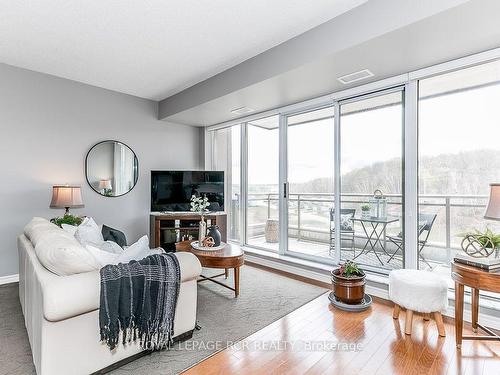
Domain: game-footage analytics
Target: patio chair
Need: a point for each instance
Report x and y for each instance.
(425, 222)
(346, 231)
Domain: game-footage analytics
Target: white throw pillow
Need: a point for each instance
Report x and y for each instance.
(61, 253)
(138, 251)
(37, 228)
(71, 229)
(102, 257)
(88, 232)
(108, 246)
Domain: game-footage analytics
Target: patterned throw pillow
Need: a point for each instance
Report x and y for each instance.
(346, 222)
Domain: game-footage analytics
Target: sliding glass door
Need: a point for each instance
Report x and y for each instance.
(262, 213)
(310, 171)
(370, 226)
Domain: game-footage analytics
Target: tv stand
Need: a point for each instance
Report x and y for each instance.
(168, 228)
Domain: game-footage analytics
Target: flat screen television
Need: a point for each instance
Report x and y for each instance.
(172, 190)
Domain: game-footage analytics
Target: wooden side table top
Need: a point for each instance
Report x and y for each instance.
(475, 277)
(230, 256)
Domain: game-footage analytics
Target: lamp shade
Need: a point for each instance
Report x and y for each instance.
(66, 196)
(493, 209)
(105, 184)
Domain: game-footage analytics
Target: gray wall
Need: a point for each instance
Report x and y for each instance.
(48, 124)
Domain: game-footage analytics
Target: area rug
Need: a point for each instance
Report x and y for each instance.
(264, 298)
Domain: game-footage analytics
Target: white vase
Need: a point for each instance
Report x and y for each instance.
(202, 232)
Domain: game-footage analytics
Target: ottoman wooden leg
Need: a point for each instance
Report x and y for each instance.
(427, 316)
(408, 322)
(395, 312)
(439, 322)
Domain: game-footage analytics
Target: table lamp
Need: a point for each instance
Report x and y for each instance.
(105, 185)
(493, 209)
(65, 196)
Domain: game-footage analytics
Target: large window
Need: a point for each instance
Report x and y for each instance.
(310, 178)
(430, 143)
(263, 183)
(372, 161)
(459, 156)
(227, 157)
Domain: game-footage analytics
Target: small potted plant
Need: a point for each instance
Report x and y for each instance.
(349, 283)
(365, 211)
(199, 205)
(67, 219)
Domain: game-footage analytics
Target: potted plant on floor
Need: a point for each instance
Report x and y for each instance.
(349, 283)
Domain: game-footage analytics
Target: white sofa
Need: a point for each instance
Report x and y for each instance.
(61, 314)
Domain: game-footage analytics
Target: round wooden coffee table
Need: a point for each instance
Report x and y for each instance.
(231, 256)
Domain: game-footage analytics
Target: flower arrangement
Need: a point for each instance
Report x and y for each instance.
(199, 205)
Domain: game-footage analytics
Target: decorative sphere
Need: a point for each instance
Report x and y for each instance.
(472, 245)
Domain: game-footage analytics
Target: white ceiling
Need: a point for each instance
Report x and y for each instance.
(151, 49)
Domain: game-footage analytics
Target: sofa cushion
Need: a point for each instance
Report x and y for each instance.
(57, 250)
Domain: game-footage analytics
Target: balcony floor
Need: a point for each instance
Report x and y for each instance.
(434, 256)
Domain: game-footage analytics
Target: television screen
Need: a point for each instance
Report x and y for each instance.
(172, 190)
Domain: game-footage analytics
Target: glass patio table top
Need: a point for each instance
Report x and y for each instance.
(372, 219)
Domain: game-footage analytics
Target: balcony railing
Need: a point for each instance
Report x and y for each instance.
(455, 214)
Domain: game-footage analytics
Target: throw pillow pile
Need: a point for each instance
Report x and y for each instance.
(78, 249)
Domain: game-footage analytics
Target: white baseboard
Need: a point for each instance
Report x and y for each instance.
(486, 319)
(9, 279)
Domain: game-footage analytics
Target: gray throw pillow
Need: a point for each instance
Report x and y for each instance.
(115, 235)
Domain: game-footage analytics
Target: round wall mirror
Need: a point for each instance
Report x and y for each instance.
(111, 168)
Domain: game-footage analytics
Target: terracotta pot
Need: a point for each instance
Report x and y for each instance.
(350, 290)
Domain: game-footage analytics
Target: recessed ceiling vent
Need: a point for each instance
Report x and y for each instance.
(357, 76)
(241, 110)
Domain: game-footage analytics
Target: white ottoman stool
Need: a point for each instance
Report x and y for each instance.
(420, 291)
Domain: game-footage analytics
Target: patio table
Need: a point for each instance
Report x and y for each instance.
(374, 228)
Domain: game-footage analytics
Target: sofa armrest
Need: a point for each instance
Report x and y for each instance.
(68, 296)
(190, 266)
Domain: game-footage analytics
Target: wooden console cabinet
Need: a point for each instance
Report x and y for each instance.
(167, 229)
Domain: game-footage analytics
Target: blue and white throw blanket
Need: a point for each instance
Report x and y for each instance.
(138, 299)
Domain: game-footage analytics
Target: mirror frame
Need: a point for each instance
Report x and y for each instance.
(86, 166)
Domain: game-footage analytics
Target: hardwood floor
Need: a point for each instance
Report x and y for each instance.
(383, 347)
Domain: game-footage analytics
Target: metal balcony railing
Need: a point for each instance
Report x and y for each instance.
(445, 206)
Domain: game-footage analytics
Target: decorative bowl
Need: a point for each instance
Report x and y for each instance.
(196, 245)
